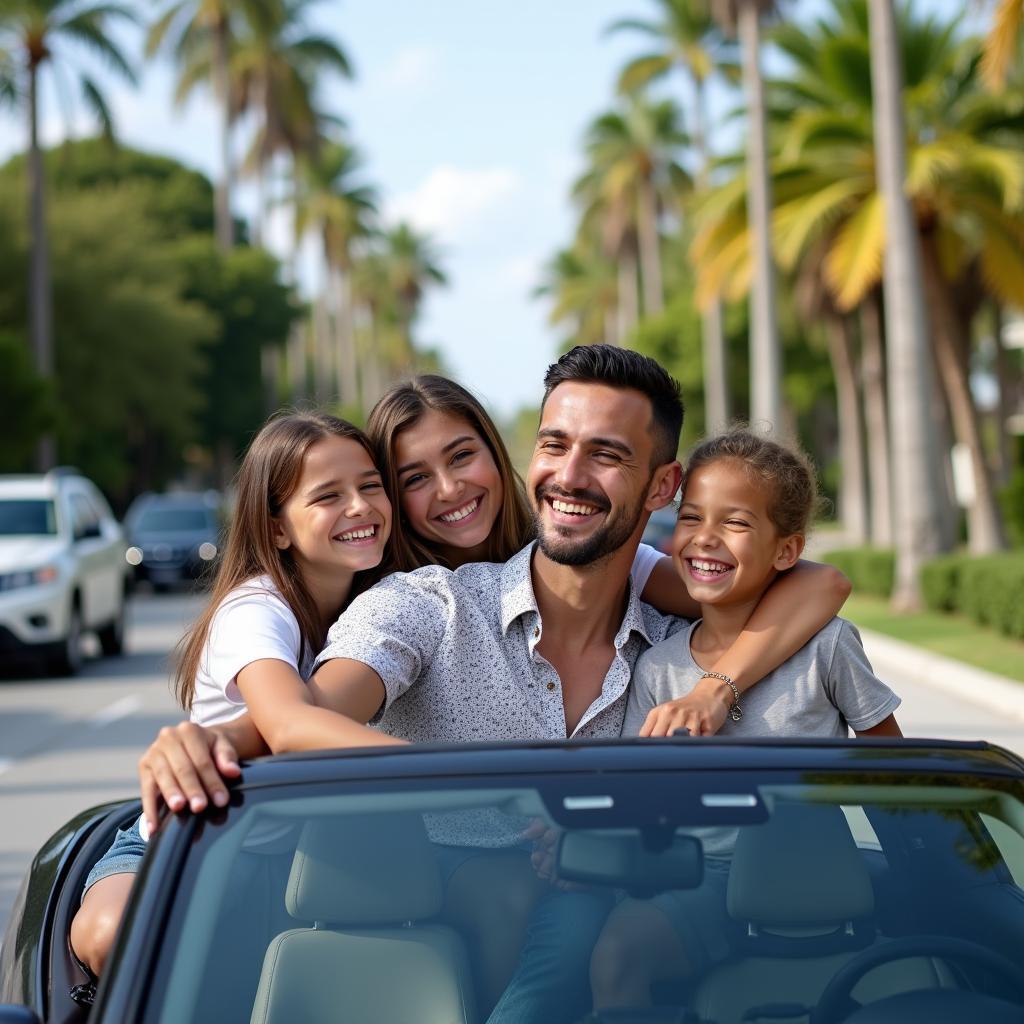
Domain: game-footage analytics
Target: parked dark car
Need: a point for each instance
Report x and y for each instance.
(173, 538)
(872, 882)
(659, 529)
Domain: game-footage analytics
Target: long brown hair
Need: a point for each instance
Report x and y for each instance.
(398, 410)
(268, 476)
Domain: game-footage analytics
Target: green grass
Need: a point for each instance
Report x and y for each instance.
(951, 635)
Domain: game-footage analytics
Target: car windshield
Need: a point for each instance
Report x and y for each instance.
(175, 520)
(714, 897)
(27, 517)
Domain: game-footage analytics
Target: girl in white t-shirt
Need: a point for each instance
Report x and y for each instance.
(310, 529)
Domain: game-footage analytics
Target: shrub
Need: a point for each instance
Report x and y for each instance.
(940, 582)
(991, 591)
(870, 570)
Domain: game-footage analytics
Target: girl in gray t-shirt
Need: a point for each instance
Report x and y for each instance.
(745, 509)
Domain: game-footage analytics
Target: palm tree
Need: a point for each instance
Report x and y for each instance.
(276, 66)
(965, 179)
(1002, 43)
(33, 35)
(744, 16)
(340, 210)
(634, 175)
(199, 34)
(582, 283)
(685, 37)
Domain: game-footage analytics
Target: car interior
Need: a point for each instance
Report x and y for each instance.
(870, 904)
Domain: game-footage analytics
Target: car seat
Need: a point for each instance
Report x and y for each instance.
(367, 885)
(801, 889)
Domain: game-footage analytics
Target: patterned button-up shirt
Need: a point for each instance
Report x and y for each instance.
(459, 649)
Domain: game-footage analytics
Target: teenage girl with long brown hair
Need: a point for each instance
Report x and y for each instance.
(310, 527)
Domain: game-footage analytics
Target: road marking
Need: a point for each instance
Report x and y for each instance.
(119, 709)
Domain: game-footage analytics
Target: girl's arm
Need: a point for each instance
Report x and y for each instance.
(283, 710)
(667, 592)
(798, 604)
(887, 727)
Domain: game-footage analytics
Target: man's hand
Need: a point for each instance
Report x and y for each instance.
(184, 766)
(702, 711)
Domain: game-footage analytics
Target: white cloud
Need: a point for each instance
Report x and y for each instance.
(453, 200)
(413, 68)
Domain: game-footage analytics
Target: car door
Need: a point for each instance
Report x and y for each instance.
(96, 575)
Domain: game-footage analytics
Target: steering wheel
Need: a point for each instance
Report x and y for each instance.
(836, 1002)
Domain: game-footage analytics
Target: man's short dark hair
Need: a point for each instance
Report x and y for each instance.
(623, 368)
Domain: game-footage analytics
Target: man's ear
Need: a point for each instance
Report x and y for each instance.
(664, 485)
(280, 537)
(789, 551)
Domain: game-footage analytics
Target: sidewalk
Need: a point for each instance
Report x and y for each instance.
(895, 660)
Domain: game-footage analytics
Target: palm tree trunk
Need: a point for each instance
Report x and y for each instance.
(853, 506)
(372, 377)
(876, 420)
(916, 490)
(629, 300)
(348, 372)
(650, 255)
(984, 523)
(1004, 404)
(323, 359)
(765, 355)
(40, 289)
(223, 224)
(717, 410)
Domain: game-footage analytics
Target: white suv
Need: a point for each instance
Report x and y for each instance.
(62, 569)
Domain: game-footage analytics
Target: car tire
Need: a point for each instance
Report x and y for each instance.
(67, 656)
(111, 636)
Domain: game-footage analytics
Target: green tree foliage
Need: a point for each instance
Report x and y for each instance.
(24, 397)
(253, 311)
(159, 335)
(126, 400)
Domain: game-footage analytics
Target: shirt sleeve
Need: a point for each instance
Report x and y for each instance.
(395, 628)
(645, 560)
(249, 628)
(862, 698)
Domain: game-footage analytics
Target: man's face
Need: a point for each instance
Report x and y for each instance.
(591, 471)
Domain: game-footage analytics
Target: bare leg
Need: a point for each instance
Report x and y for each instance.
(95, 925)
(637, 947)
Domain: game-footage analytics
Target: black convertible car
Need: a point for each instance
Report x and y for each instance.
(871, 882)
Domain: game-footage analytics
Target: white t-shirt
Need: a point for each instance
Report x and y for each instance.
(643, 565)
(252, 623)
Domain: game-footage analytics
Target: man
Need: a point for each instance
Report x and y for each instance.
(543, 646)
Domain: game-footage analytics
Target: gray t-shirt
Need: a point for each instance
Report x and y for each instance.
(827, 686)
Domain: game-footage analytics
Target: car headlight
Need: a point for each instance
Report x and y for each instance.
(133, 556)
(28, 578)
(207, 551)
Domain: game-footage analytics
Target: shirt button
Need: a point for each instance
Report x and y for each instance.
(536, 632)
(551, 686)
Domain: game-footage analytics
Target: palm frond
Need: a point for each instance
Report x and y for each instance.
(854, 262)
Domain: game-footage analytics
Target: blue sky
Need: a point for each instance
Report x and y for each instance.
(471, 117)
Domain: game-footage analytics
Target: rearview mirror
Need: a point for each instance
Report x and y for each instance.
(641, 862)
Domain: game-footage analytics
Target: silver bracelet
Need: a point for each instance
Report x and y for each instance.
(735, 711)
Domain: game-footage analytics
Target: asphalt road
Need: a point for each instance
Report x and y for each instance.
(68, 744)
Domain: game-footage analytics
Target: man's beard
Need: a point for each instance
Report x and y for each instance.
(605, 541)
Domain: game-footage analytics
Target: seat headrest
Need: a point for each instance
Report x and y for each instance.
(364, 869)
(799, 868)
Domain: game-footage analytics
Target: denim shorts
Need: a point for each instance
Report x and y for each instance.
(700, 918)
(123, 857)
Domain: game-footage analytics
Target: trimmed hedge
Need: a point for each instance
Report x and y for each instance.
(940, 582)
(870, 570)
(992, 592)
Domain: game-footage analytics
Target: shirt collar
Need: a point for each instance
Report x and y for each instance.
(518, 598)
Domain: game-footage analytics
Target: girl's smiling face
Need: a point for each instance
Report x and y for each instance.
(726, 548)
(449, 485)
(338, 517)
